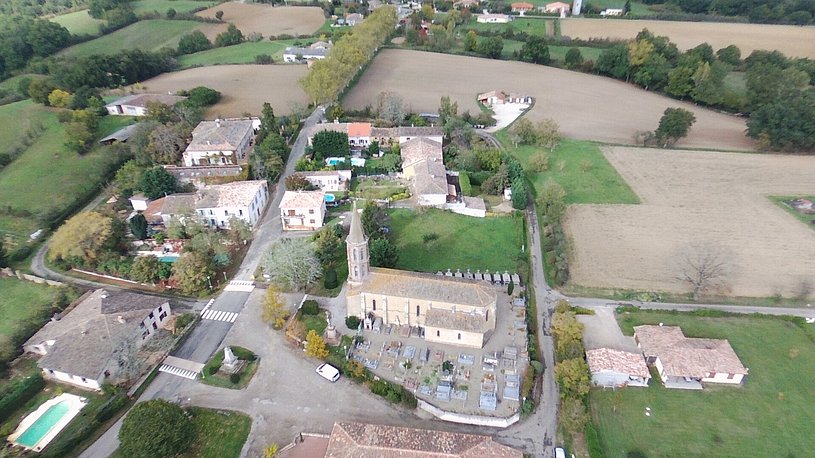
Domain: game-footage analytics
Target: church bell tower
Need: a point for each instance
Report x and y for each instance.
(356, 245)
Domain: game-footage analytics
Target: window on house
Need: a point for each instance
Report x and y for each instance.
(291, 212)
(151, 315)
(210, 212)
(240, 212)
(459, 336)
(417, 310)
(162, 316)
(159, 308)
(226, 212)
(373, 303)
(84, 380)
(438, 333)
(50, 371)
(155, 326)
(731, 376)
(311, 221)
(310, 211)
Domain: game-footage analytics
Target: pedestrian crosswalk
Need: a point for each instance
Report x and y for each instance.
(240, 285)
(178, 371)
(219, 315)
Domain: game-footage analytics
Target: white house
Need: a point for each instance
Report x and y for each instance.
(611, 12)
(82, 348)
(294, 54)
(615, 368)
(139, 202)
(492, 18)
(163, 209)
(302, 210)
(136, 104)
(221, 142)
(329, 180)
(686, 363)
(246, 200)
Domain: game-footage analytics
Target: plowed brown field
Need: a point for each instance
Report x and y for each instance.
(587, 107)
(707, 198)
(244, 88)
(269, 20)
(794, 41)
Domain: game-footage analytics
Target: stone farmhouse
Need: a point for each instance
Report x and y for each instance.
(492, 98)
(685, 362)
(83, 347)
(214, 205)
(348, 439)
(221, 142)
(557, 8)
(302, 210)
(617, 368)
(522, 7)
(136, 104)
(449, 310)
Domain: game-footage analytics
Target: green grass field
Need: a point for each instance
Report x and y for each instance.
(46, 176)
(243, 53)
(637, 8)
(79, 23)
(180, 6)
(149, 35)
(559, 52)
(12, 83)
(463, 242)
(23, 301)
(218, 434)
(530, 26)
(770, 415)
(598, 184)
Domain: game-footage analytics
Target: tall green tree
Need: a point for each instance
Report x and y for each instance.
(786, 123)
(84, 237)
(614, 62)
(193, 273)
(146, 269)
(193, 42)
(329, 143)
(491, 47)
(231, 36)
(138, 226)
(374, 219)
(573, 58)
(157, 182)
(535, 50)
(674, 124)
(383, 253)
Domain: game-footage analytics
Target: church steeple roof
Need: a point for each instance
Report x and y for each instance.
(356, 235)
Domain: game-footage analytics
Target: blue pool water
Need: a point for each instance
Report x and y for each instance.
(330, 198)
(40, 428)
(168, 259)
(334, 161)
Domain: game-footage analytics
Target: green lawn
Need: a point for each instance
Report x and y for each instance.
(599, 184)
(46, 176)
(637, 8)
(376, 188)
(218, 433)
(79, 23)
(559, 52)
(530, 26)
(149, 35)
(770, 415)
(781, 201)
(463, 242)
(180, 6)
(314, 322)
(243, 53)
(12, 83)
(22, 302)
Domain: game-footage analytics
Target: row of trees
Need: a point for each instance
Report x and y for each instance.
(329, 76)
(760, 11)
(571, 372)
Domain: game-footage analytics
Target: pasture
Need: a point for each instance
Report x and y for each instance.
(244, 88)
(691, 198)
(79, 23)
(243, 53)
(769, 415)
(587, 107)
(161, 6)
(460, 242)
(149, 35)
(793, 41)
(46, 177)
(268, 20)
(23, 302)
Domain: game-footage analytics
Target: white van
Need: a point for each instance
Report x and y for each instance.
(328, 372)
(560, 453)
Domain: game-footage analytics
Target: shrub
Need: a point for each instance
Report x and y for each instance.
(352, 322)
(264, 59)
(427, 238)
(310, 307)
(18, 392)
(394, 396)
(408, 399)
(379, 387)
(242, 353)
(111, 407)
(213, 369)
(235, 378)
(330, 279)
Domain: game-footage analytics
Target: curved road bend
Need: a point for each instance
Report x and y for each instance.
(208, 335)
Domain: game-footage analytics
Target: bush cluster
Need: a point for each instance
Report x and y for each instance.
(16, 393)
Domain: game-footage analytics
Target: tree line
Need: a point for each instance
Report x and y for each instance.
(798, 12)
(328, 77)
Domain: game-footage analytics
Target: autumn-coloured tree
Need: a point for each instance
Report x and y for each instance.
(315, 345)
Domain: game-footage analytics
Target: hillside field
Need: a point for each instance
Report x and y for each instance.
(243, 53)
(690, 199)
(587, 107)
(244, 88)
(269, 20)
(79, 22)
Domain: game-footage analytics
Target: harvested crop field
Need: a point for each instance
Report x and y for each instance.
(587, 107)
(791, 40)
(717, 200)
(244, 88)
(269, 20)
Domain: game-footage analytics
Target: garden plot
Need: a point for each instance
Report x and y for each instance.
(244, 88)
(268, 20)
(718, 200)
(587, 107)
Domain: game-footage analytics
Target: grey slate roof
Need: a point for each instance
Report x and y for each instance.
(223, 135)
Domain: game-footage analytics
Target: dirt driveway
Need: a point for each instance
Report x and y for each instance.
(587, 107)
(719, 200)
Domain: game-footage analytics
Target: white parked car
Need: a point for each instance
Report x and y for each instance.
(560, 453)
(328, 372)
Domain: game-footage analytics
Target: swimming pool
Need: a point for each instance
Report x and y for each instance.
(41, 426)
(330, 198)
(168, 259)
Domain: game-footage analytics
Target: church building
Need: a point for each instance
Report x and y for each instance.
(448, 310)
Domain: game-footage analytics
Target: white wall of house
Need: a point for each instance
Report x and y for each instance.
(292, 58)
(82, 382)
(220, 216)
(193, 158)
(612, 378)
(333, 182)
(435, 200)
(724, 377)
(359, 142)
(155, 319)
(303, 219)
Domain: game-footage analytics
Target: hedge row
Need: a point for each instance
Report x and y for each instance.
(17, 393)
